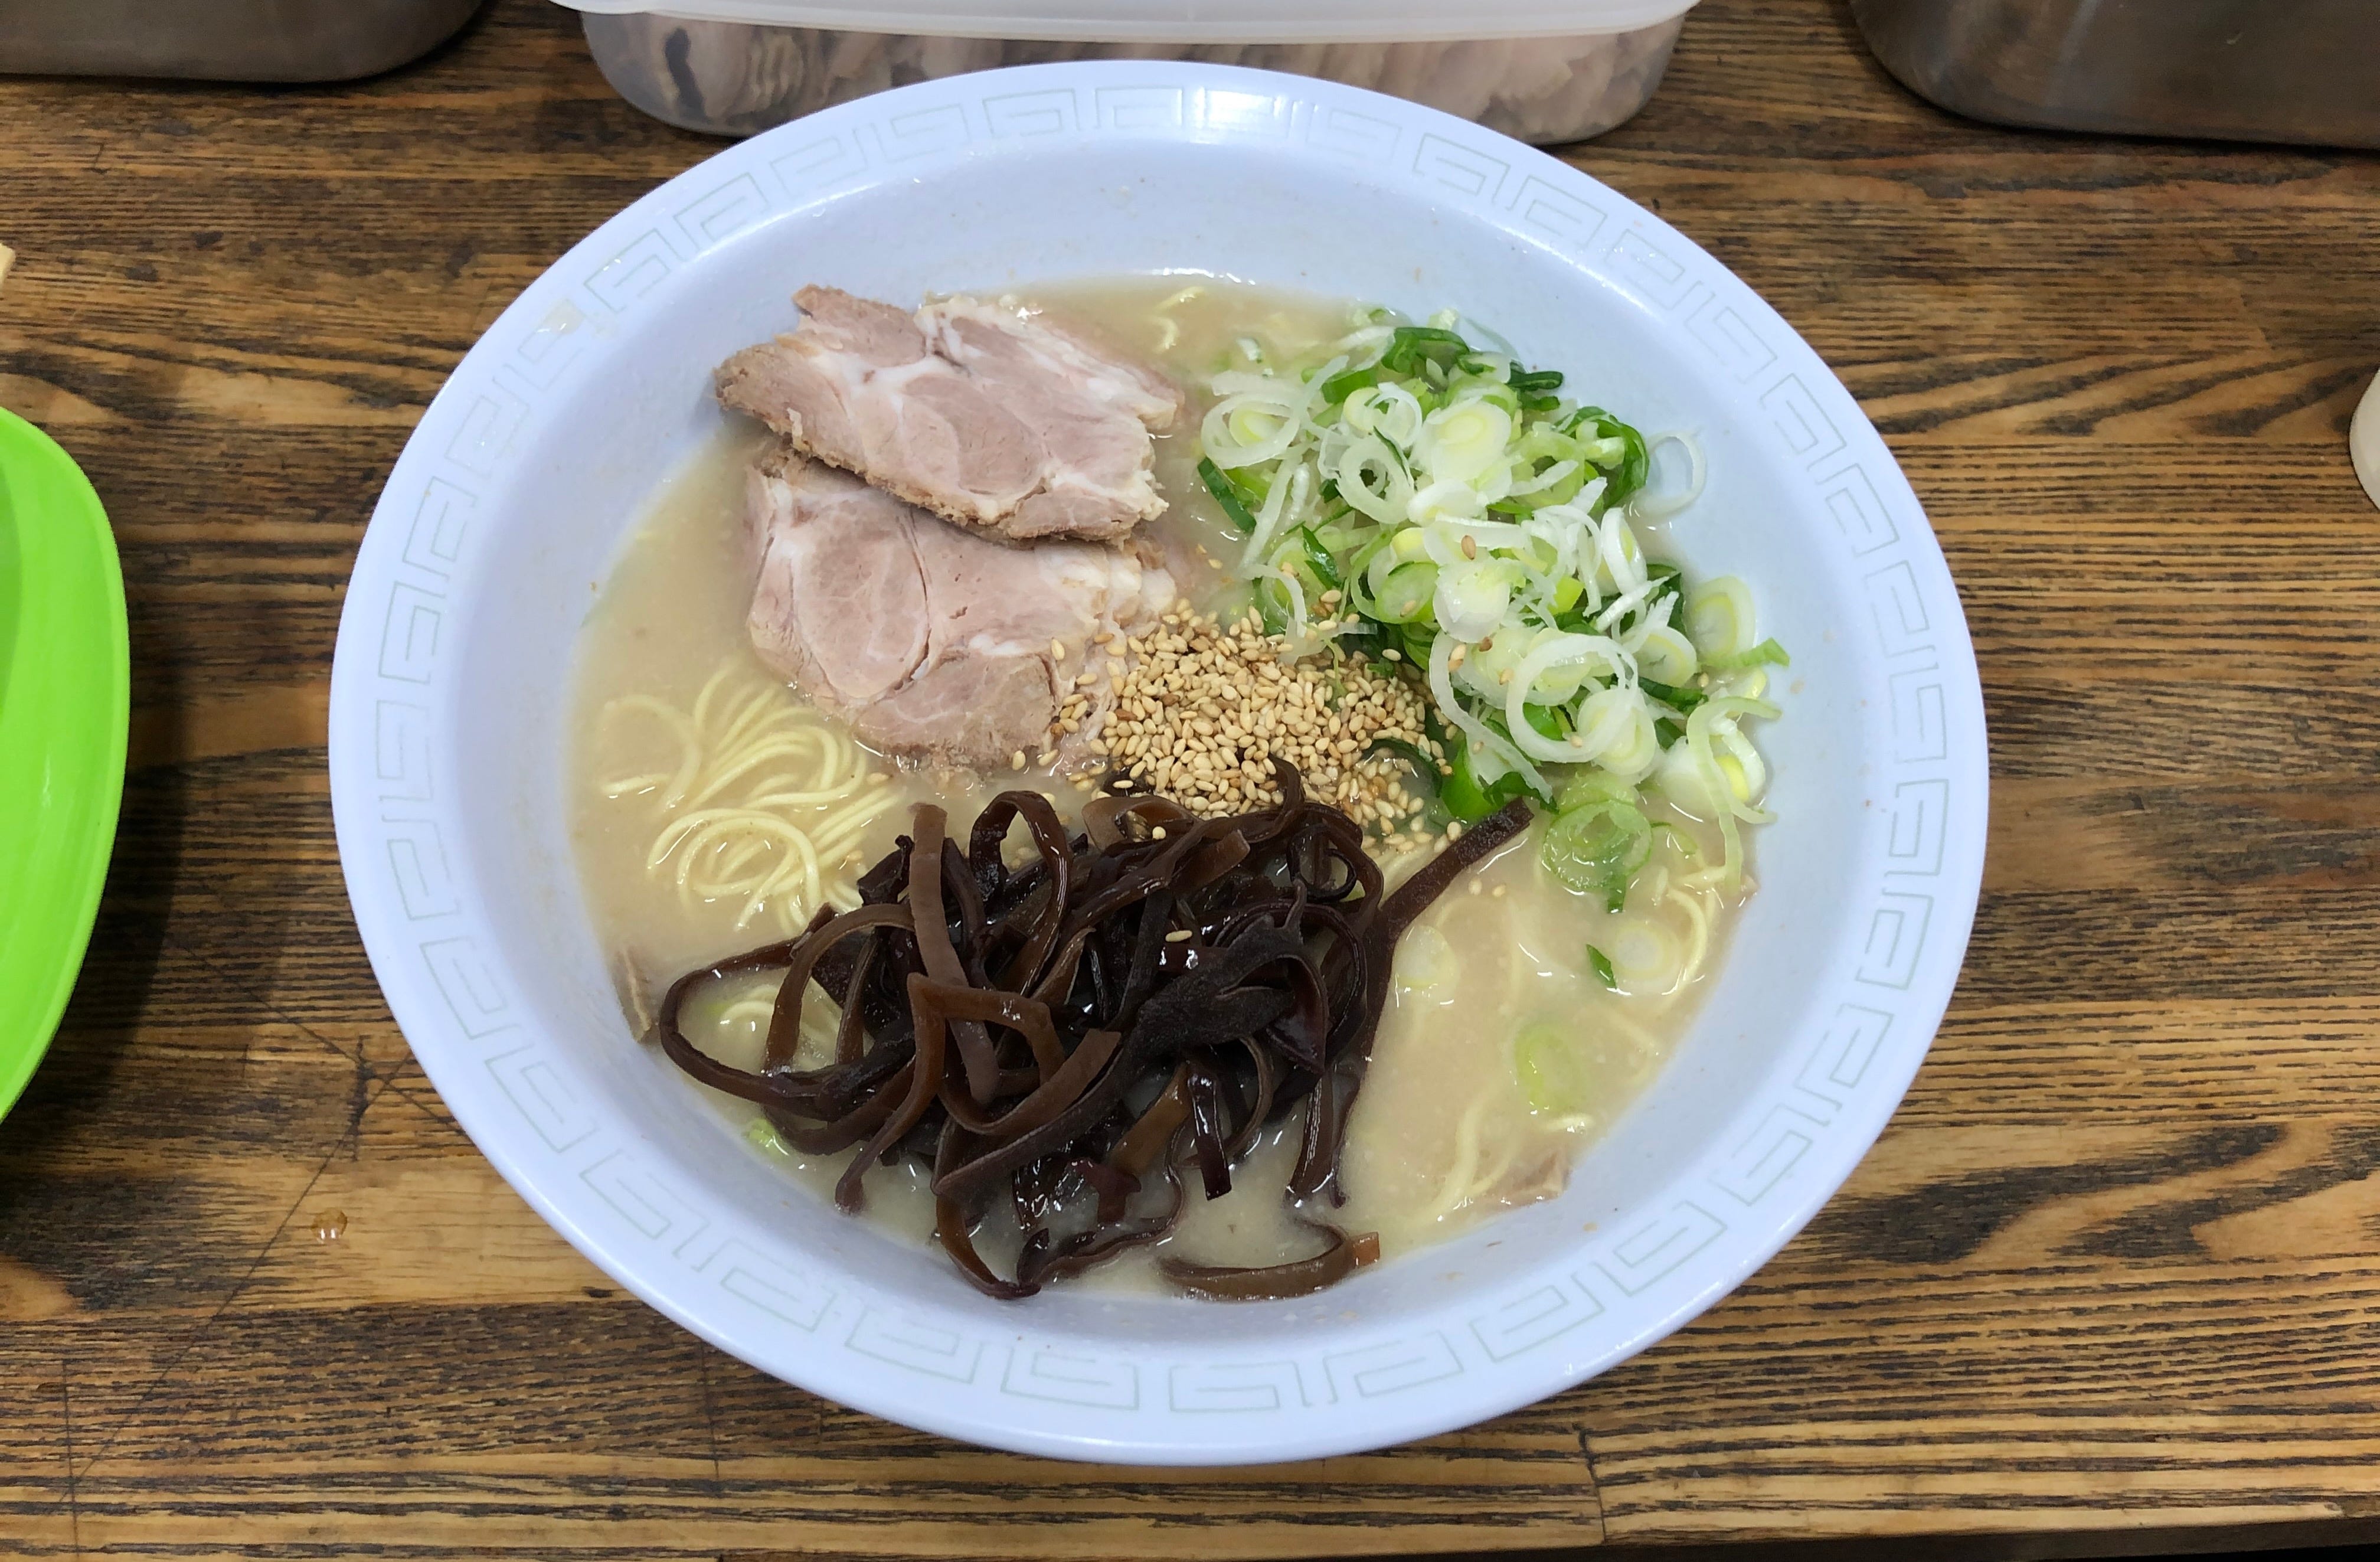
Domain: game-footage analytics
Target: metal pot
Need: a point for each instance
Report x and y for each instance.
(2260, 70)
(224, 40)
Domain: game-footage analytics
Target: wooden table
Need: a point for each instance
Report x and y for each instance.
(2113, 1271)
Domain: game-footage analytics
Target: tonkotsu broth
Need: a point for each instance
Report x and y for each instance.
(1444, 1130)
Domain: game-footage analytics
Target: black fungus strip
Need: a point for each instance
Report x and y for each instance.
(1061, 1037)
(1277, 1282)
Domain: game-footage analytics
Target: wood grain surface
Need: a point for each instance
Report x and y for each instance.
(2114, 1268)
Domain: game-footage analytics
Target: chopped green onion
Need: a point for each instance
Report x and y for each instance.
(1357, 567)
(1768, 653)
(1430, 517)
(1552, 1075)
(1600, 963)
(1629, 466)
(1679, 699)
(1406, 595)
(1465, 795)
(1719, 618)
(1682, 701)
(1226, 495)
(1460, 791)
(1426, 962)
(1665, 656)
(1421, 348)
(1339, 387)
(1596, 848)
(1318, 559)
(1590, 784)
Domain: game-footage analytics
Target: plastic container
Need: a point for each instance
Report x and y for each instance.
(1540, 70)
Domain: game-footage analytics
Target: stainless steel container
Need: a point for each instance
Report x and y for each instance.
(2259, 70)
(224, 40)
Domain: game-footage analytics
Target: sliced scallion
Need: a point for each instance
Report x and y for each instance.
(1405, 594)
(1768, 653)
(1234, 508)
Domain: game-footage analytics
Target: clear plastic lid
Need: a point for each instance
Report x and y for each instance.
(1185, 21)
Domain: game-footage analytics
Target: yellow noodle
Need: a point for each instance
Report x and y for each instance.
(1464, 1185)
(689, 748)
(765, 792)
(738, 761)
(1452, 1187)
(815, 798)
(846, 827)
(1169, 330)
(709, 692)
(748, 1011)
(1486, 1182)
(707, 833)
(1698, 913)
(818, 1022)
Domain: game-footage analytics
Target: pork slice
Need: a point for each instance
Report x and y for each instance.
(1014, 426)
(799, 385)
(839, 605)
(973, 711)
(1095, 462)
(936, 643)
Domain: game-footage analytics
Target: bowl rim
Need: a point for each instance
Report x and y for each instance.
(1820, 1124)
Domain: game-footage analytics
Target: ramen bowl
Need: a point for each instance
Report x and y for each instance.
(451, 697)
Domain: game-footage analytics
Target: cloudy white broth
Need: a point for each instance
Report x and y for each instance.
(717, 808)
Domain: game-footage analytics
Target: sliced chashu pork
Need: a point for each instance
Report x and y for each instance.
(935, 643)
(1009, 424)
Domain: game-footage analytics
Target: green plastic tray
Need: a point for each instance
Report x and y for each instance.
(64, 696)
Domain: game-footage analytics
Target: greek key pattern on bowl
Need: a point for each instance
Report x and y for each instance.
(605, 1187)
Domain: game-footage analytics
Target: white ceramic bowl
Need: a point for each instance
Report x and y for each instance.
(515, 493)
